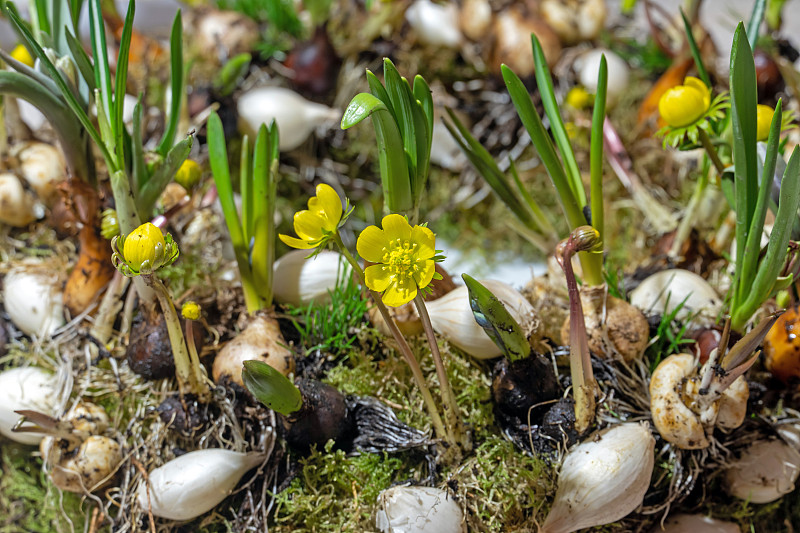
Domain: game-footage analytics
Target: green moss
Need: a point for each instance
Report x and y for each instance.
(26, 502)
(333, 492)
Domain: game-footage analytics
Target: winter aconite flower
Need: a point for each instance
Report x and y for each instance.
(188, 174)
(316, 225)
(764, 117)
(144, 250)
(685, 104)
(21, 54)
(190, 310)
(688, 108)
(404, 258)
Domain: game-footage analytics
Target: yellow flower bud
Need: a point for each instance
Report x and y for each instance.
(190, 310)
(764, 117)
(21, 54)
(685, 104)
(579, 98)
(188, 175)
(143, 246)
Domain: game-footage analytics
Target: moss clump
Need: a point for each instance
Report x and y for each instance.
(333, 492)
(26, 501)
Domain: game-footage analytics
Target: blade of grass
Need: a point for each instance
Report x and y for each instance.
(102, 73)
(176, 84)
(545, 84)
(596, 148)
(698, 60)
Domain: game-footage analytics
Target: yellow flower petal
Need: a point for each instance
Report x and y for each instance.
(378, 277)
(399, 294)
(424, 275)
(425, 240)
(331, 204)
(370, 244)
(396, 227)
(681, 106)
(764, 117)
(295, 243)
(308, 225)
(143, 245)
(699, 86)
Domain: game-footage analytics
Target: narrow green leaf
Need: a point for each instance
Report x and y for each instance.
(34, 74)
(421, 138)
(228, 77)
(596, 148)
(271, 388)
(265, 169)
(176, 84)
(756, 17)
(102, 73)
(771, 265)
(544, 146)
(698, 60)
(744, 123)
(494, 318)
(138, 164)
(423, 94)
(539, 218)
(400, 96)
(545, 83)
(753, 247)
(246, 189)
(121, 82)
(82, 61)
(156, 183)
(391, 156)
(379, 91)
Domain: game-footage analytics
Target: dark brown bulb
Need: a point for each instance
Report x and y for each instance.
(768, 77)
(315, 65)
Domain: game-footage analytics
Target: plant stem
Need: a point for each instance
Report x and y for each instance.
(452, 414)
(190, 376)
(711, 151)
(583, 384)
(405, 349)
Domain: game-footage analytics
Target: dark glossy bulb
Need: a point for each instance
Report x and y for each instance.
(768, 77)
(315, 65)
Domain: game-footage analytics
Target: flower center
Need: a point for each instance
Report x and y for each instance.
(399, 257)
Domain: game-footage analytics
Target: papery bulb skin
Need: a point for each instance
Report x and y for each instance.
(416, 509)
(764, 472)
(602, 479)
(29, 388)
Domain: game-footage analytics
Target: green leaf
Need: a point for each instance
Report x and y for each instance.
(494, 318)
(246, 189)
(138, 164)
(391, 156)
(544, 146)
(753, 247)
(400, 96)
(545, 83)
(228, 77)
(83, 62)
(271, 388)
(176, 84)
(148, 195)
(756, 17)
(102, 73)
(744, 123)
(698, 60)
(379, 91)
(596, 148)
(120, 84)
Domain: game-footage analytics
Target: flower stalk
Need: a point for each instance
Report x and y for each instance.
(584, 387)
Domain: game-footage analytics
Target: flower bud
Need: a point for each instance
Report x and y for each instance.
(21, 54)
(188, 175)
(190, 310)
(685, 104)
(143, 246)
(764, 121)
(109, 224)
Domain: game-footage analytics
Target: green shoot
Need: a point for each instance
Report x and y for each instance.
(256, 225)
(757, 278)
(271, 388)
(403, 120)
(669, 335)
(494, 318)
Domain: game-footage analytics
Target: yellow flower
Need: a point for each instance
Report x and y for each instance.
(404, 257)
(21, 54)
(319, 222)
(685, 104)
(190, 310)
(188, 175)
(764, 116)
(143, 246)
(579, 98)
